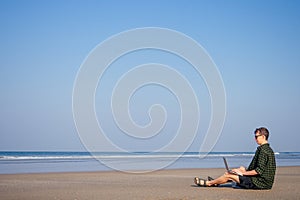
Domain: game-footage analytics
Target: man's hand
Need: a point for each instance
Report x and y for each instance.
(243, 172)
(240, 171)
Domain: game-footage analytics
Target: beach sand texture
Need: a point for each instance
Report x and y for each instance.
(164, 184)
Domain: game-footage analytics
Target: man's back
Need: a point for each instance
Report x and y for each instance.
(265, 165)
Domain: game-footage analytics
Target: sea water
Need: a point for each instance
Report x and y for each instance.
(43, 162)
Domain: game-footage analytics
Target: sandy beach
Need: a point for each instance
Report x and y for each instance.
(164, 184)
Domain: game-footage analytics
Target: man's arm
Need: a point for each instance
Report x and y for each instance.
(250, 173)
(243, 172)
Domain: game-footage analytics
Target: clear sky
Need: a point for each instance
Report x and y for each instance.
(254, 44)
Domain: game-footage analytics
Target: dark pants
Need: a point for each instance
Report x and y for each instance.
(246, 182)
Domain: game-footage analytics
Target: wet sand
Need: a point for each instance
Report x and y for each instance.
(164, 184)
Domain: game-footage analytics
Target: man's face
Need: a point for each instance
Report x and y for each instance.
(259, 138)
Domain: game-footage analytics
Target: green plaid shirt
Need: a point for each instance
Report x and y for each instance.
(264, 164)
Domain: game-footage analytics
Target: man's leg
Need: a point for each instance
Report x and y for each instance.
(223, 179)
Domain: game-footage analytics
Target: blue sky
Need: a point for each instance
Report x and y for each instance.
(255, 45)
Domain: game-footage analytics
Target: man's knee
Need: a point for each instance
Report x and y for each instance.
(231, 177)
(227, 176)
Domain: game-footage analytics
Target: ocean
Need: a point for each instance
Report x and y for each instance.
(44, 162)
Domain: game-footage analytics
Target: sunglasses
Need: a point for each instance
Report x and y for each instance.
(256, 136)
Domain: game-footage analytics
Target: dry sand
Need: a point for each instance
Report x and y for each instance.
(165, 184)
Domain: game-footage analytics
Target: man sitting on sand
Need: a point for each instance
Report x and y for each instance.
(260, 173)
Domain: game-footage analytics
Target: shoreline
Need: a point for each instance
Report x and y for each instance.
(163, 184)
(133, 172)
(44, 162)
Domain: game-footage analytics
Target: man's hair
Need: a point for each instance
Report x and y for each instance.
(262, 131)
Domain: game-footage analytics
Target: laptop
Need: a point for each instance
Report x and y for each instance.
(229, 170)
